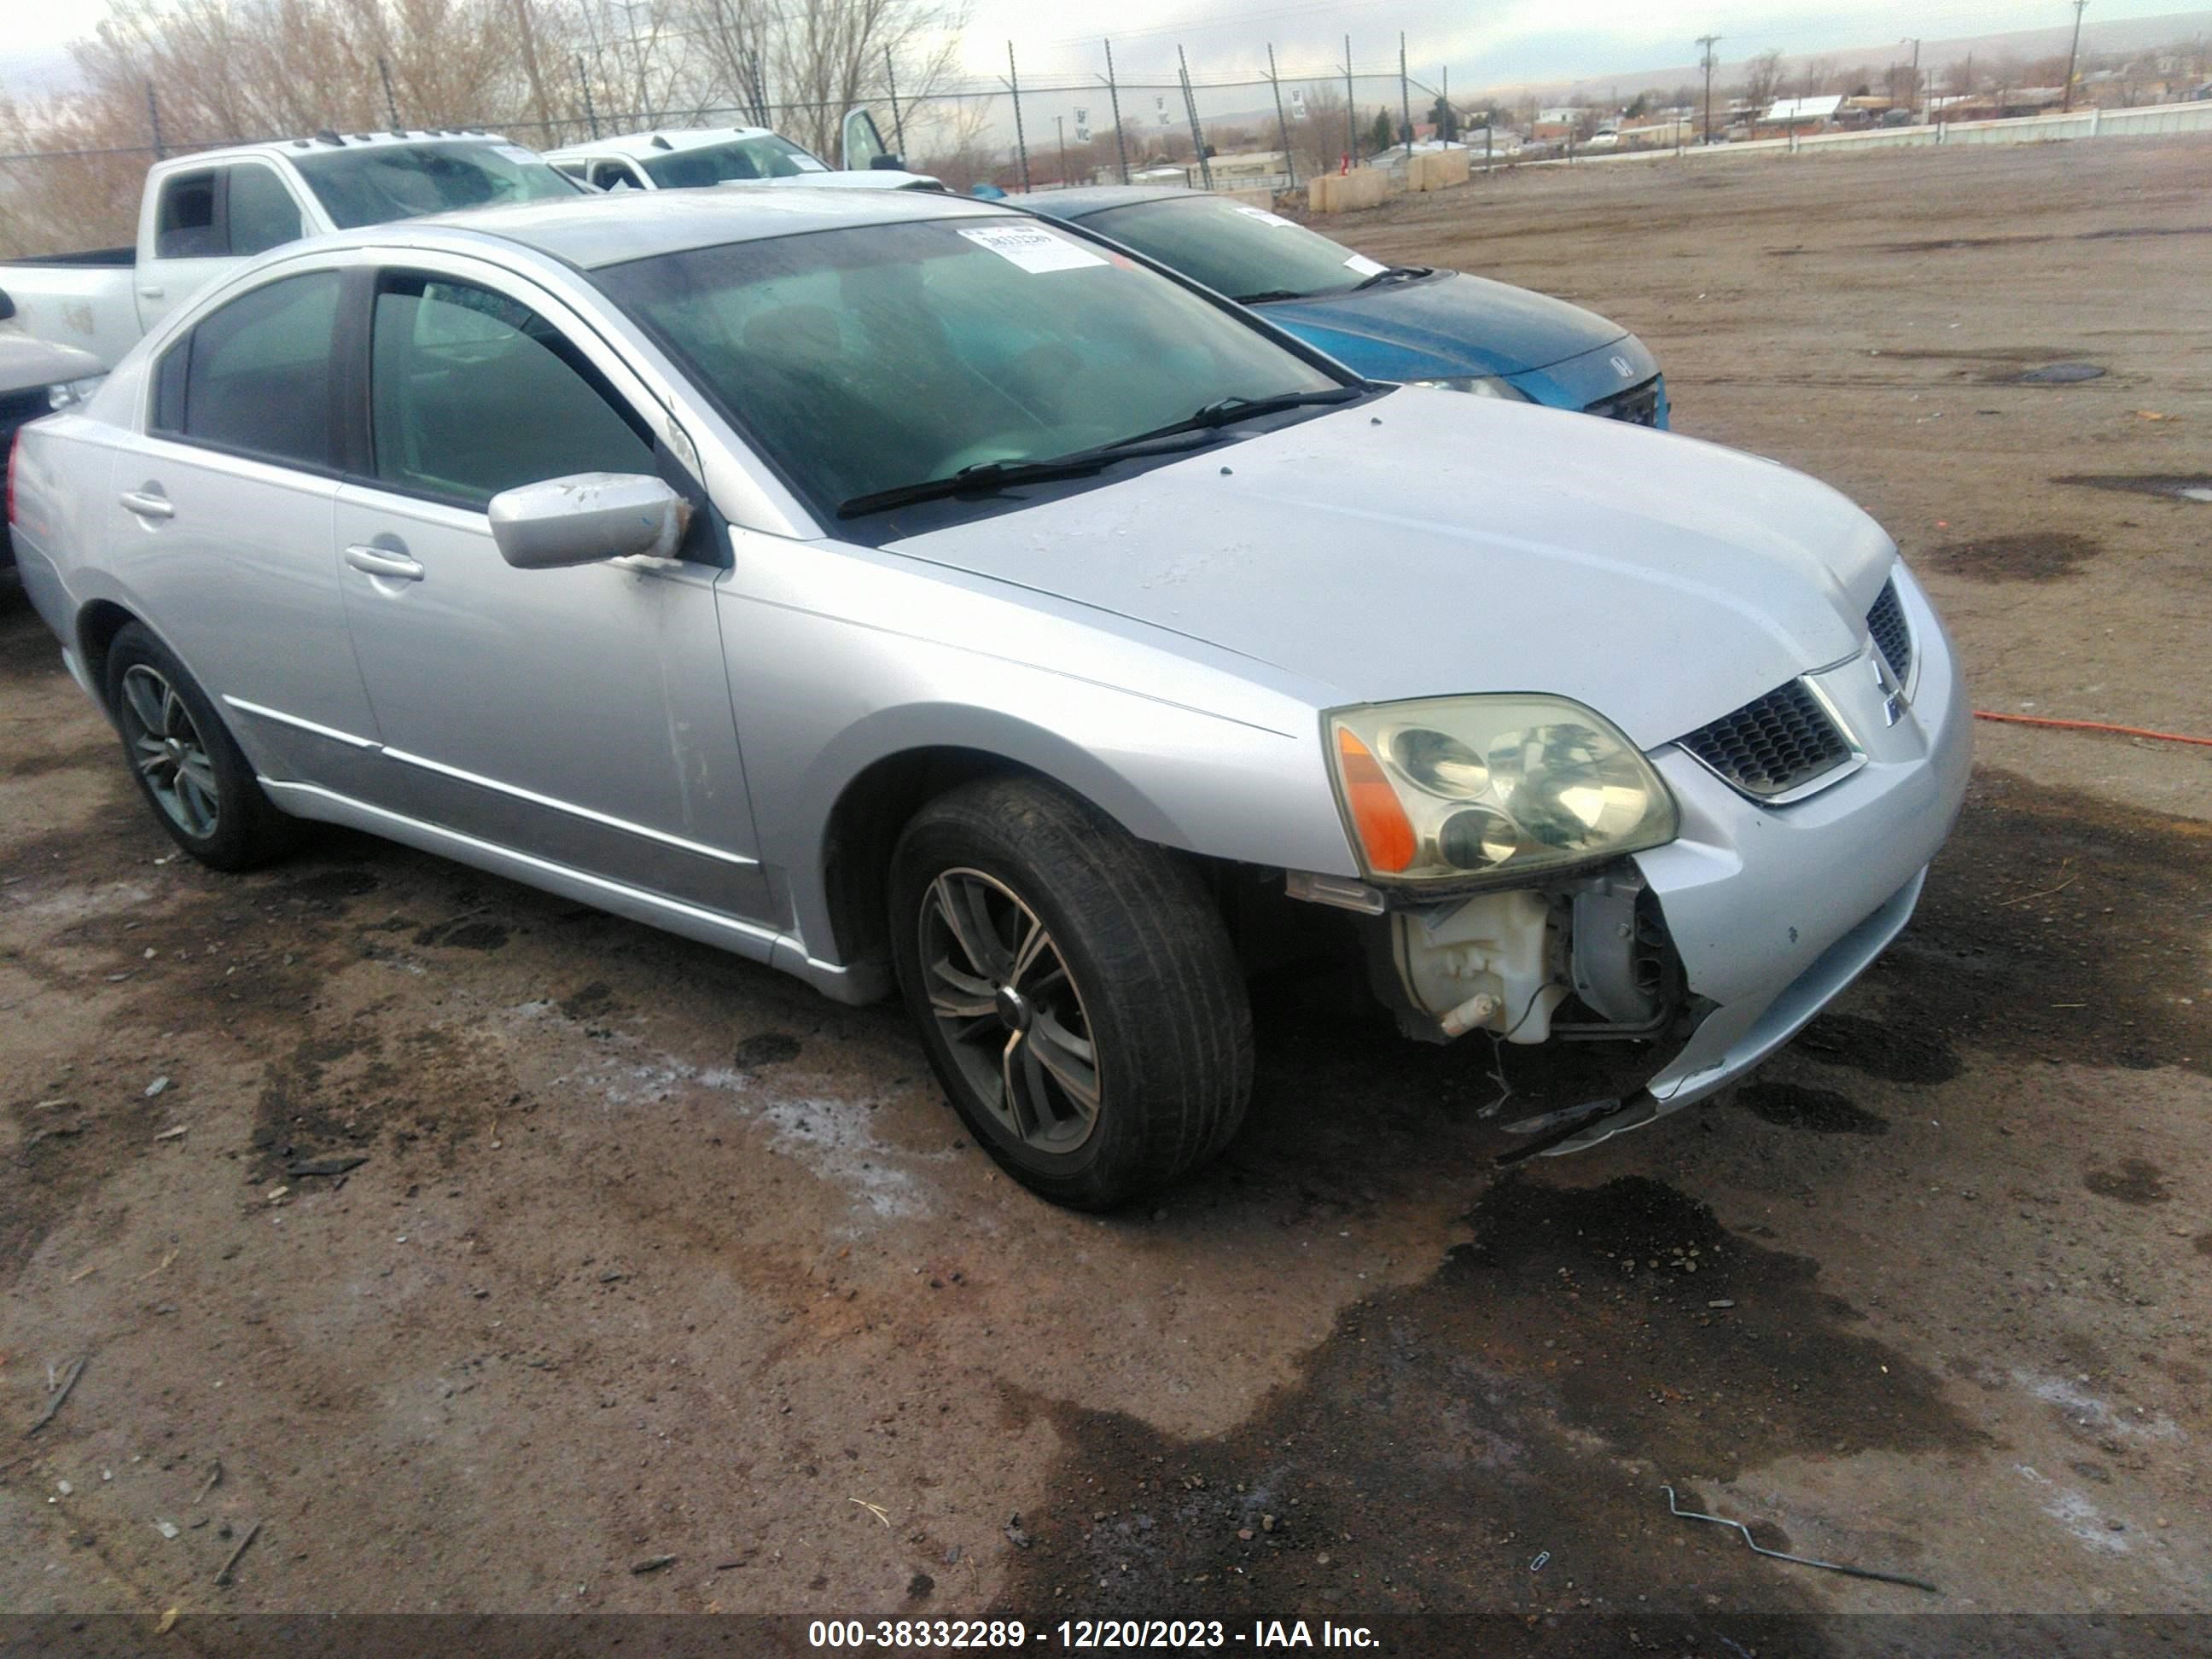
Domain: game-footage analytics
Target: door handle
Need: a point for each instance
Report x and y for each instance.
(383, 561)
(148, 503)
(154, 293)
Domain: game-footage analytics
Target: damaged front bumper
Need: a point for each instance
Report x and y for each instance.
(1739, 930)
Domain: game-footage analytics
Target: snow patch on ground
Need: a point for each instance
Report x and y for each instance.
(830, 1135)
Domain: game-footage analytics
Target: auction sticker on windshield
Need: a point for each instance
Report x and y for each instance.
(1264, 216)
(1032, 249)
(1363, 265)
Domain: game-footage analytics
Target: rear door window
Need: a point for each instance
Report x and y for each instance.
(188, 226)
(473, 392)
(255, 376)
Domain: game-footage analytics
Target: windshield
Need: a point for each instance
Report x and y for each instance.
(872, 357)
(764, 157)
(375, 185)
(1242, 251)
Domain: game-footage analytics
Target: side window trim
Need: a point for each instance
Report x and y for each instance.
(169, 407)
(360, 419)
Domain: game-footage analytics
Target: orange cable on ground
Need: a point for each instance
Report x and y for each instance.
(2092, 726)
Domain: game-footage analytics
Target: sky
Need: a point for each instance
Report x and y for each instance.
(1502, 42)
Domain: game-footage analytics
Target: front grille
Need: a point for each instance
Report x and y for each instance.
(1638, 406)
(1779, 743)
(1893, 635)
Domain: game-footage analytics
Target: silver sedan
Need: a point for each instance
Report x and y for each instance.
(917, 597)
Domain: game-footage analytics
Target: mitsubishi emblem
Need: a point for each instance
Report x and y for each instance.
(1892, 695)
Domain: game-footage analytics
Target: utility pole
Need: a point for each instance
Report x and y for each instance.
(1916, 70)
(1114, 97)
(1061, 122)
(1282, 125)
(2072, 51)
(1707, 64)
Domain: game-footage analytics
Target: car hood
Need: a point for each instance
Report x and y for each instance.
(1448, 324)
(1426, 543)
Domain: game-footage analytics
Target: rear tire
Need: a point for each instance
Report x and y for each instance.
(1075, 989)
(191, 770)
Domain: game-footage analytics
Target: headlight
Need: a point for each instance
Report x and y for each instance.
(70, 393)
(1491, 788)
(1482, 386)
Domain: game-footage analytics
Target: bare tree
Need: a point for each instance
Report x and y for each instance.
(807, 62)
(262, 69)
(960, 149)
(1762, 79)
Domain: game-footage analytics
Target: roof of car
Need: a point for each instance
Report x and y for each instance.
(660, 141)
(591, 231)
(1097, 198)
(327, 143)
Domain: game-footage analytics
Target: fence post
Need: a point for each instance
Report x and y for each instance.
(1405, 98)
(1282, 125)
(583, 79)
(1021, 140)
(153, 123)
(1190, 108)
(898, 127)
(1114, 97)
(1351, 114)
(391, 104)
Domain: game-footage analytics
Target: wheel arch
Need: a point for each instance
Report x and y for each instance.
(879, 796)
(97, 624)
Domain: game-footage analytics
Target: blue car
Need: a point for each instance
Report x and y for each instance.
(1409, 323)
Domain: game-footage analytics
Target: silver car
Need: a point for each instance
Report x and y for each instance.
(914, 596)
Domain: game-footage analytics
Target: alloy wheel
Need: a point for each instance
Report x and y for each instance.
(1010, 1010)
(169, 753)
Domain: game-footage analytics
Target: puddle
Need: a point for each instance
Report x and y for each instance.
(1824, 1112)
(1530, 1396)
(2034, 556)
(2060, 374)
(2174, 486)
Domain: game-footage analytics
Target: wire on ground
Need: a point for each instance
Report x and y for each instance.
(2093, 726)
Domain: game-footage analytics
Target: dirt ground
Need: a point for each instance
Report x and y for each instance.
(651, 1253)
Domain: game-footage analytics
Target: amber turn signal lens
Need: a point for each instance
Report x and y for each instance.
(1384, 830)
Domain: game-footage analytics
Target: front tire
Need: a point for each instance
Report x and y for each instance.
(1074, 988)
(187, 765)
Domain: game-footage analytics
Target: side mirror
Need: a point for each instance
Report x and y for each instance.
(7, 306)
(586, 518)
(887, 164)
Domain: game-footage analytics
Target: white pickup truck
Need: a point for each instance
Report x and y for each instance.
(689, 158)
(203, 214)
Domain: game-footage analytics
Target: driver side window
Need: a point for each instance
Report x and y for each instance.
(473, 392)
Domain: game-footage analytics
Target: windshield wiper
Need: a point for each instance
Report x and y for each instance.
(1224, 410)
(985, 477)
(1394, 274)
(1266, 296)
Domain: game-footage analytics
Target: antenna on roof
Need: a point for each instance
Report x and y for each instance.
(659, 142)
(326, 137)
